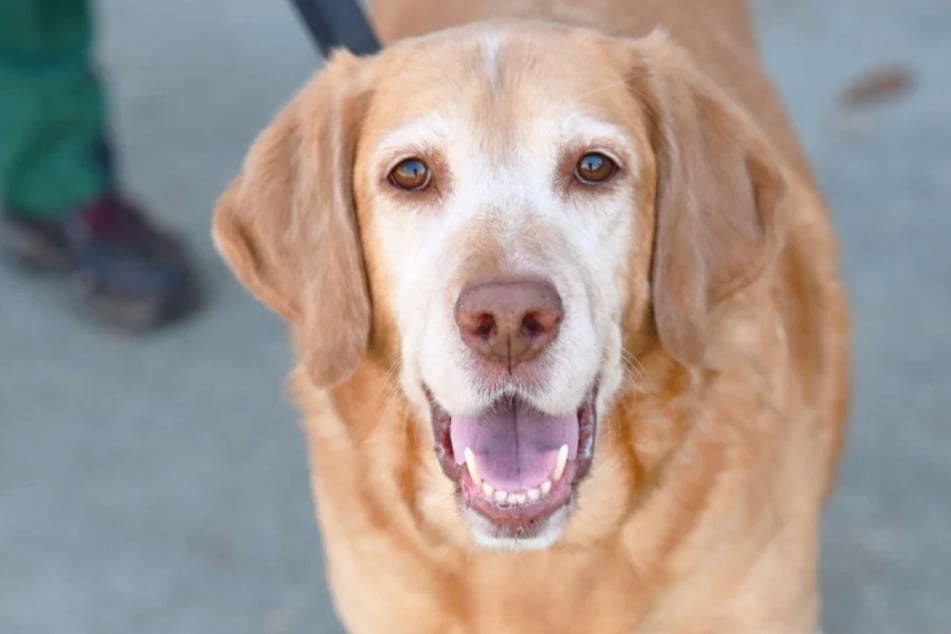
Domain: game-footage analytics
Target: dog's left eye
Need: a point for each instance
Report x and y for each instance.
(594, 168)
(410, 174)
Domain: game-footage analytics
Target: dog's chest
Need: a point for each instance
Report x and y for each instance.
(555, 592)
(540, 595)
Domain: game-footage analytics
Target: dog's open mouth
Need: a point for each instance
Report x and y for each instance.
(515, 465)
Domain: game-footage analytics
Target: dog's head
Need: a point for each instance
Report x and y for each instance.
(506, 211)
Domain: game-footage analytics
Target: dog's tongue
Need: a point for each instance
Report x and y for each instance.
(515, 445)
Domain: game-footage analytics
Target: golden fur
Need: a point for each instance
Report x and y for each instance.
(719, 445)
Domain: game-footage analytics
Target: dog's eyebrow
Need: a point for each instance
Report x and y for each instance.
(581, 126)
(427, 130)
(580, 129)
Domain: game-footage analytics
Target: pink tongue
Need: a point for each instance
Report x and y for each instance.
(515, 445)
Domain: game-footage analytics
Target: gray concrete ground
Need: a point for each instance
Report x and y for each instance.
(160, 485)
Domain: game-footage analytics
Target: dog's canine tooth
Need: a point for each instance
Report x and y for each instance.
(472, 466)
(545, 487)
(487, 489)
(560, 465)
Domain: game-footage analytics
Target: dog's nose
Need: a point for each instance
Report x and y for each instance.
(509, 322)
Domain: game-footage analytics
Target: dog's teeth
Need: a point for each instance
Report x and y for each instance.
(545, 487)
(532, 495)
(517, 499)
(488, 490)
(501, 497)
(560, 465)
(472, 466)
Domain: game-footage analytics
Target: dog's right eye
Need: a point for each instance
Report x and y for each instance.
(411, 174)
(595, 168)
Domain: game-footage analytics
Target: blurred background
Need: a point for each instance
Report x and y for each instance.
(159, 484)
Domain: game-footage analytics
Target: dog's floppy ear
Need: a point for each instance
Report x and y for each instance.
(721, 198)
(287, 226)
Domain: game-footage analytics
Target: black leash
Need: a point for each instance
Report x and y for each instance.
(336, 23)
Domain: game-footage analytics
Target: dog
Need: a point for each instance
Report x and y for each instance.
(572, 342)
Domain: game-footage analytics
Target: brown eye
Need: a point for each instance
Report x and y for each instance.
(594, 168)
(411, 174)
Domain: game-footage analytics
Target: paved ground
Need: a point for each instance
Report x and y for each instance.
(159, 486)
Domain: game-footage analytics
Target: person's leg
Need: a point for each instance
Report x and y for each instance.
(61, 207)
(52, 110)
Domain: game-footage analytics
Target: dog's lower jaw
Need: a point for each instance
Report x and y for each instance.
(486, 534)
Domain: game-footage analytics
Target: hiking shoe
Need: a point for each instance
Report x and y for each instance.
(131, 274)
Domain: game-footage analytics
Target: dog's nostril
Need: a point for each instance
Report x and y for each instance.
(486, 326)
(541, 323)
(531, 326)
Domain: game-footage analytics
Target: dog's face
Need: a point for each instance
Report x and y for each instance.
(498, 191)
(505, 207)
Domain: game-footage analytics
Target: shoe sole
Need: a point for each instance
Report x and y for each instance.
(28, 252)
(131, 314)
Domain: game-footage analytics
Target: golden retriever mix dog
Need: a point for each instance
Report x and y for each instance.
(572, 342)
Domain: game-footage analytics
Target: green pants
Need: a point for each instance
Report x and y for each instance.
(52, 110)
